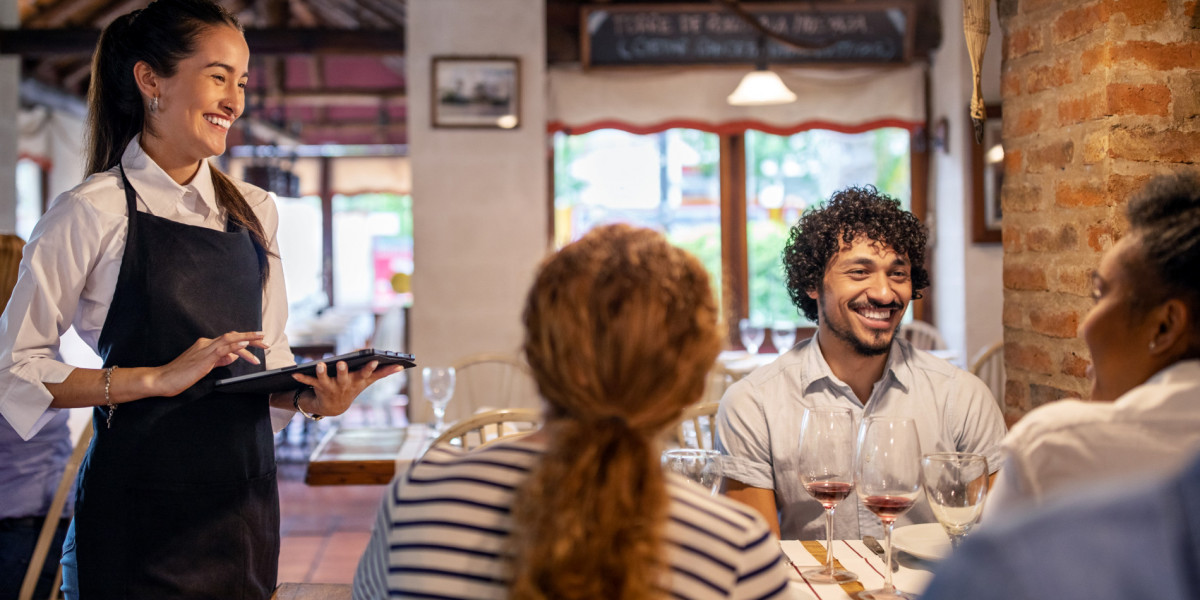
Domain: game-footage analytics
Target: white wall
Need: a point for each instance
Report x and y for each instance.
(968, 278)
(480, 204)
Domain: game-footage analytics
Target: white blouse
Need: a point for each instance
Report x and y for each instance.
(69, 273)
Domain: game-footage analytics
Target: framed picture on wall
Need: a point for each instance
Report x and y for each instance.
(987, 168)
(477, 92)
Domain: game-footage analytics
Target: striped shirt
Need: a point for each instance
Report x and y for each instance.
(442, 532)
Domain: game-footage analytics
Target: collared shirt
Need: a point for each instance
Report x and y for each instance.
(69, 272)
(758, 427)
(1062, 446)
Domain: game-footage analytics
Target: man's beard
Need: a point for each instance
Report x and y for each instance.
(862, 348)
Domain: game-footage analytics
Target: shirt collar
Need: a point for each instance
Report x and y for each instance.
(160, 194)
(898, 368)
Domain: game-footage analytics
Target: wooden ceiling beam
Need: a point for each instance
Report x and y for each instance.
(367, 42)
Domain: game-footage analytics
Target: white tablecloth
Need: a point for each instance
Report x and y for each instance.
(912, 576)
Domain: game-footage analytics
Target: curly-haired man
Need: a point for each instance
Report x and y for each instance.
(852, 266)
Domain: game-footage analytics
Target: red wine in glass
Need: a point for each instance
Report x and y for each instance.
(829, 493)
(887, 476)
(887, 507)
(826, 470)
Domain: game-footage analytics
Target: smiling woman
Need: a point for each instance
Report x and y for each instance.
(170, 271)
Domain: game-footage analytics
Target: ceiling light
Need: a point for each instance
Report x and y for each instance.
(760, 88)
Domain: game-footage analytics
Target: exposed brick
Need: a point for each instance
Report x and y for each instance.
(1022, 198)
(1075, 365)
(1047, 77)
(1185, 95)
(1010, 84)
(1077, 109)
(1101, 236)
(1044, 394)
(1189, 9)
(1075, 280)
(1028, 7)
(1048, 239)
(1120, 187)
(1022, 42)
(1074, 195)
(1014, 315)
(1016, 396)
(1010, 237)
(1023, 123)
(1019, 277)
(1098, 56)
(1138, 99)
(1029, 357)
(1077, 22)
(1158, 56)
(1051, 156)
(1095, 147)
(1145, 144)
(1054, 323)
(1140, 12)
(1012, 162)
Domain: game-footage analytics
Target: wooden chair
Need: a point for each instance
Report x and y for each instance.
(922, 335)
(42, 550)
(488, 427)
(695, 428)
(492, 380)
(988, 365)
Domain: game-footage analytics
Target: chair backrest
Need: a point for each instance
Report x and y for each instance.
(988, 365)
(487, 427)
(922, 335)
(42, 550)
(695, 428)
(491, 380)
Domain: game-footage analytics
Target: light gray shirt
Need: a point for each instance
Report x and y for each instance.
(758, 428)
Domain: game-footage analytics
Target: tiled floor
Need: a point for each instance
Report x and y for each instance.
(324, 528)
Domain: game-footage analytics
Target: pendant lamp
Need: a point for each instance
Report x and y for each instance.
(761, 87)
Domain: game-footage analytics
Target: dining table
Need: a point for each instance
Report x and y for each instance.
(365, 455)
(912, 574)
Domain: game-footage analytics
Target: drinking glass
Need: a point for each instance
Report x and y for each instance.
(956, 484)
(698, 465)
(439, 388)
(783, 335)
(887, 475)
(827, 473)
(752, 335)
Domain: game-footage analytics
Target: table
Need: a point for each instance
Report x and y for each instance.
(312, 591)
(913, 575)
(365, 455)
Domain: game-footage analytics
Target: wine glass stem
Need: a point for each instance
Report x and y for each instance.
(956, 541)
(439, 415)
(829, 542)
(887, 567)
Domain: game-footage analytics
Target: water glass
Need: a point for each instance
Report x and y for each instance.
(439, 388)
(957, 485)
(783, 336)
(752, 335)
(700, 466)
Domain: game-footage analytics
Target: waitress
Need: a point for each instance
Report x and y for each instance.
(170, 270)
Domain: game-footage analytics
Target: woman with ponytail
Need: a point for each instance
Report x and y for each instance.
(170, 271)
(620, 330)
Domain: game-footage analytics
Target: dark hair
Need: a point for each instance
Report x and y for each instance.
(620, 330)
(824, 230)
(1165, 217)
(161, 35)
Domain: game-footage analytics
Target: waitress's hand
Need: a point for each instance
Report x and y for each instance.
(204, 355)
(335, 394)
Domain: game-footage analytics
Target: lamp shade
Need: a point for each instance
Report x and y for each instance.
(759, 88)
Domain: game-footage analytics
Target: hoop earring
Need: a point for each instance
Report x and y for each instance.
(154, 104)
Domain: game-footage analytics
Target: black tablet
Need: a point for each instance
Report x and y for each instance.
(280, 380)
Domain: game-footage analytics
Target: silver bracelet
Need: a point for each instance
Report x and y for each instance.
(112, 408)
(296, 403)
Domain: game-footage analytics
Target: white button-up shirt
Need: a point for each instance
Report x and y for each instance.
(69, 273)
(758, 427)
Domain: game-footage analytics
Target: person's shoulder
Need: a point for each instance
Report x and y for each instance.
(717, 515)
(1056, 417)
(255, 196)
(927, 362)
(101, 192)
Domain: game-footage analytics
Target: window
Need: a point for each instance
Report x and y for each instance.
(672, 181)
(372, 242)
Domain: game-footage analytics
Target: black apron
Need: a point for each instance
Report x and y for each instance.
(178, 499)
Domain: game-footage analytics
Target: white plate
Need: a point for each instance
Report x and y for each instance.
(927, 540)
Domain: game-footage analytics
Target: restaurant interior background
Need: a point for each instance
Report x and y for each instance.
(341, 122)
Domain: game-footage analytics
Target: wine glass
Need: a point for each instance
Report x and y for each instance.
(783, 335)
(956, 484)
(752, 335)
(698, 465)
(887, 475)
(827, 473)
(439, 388)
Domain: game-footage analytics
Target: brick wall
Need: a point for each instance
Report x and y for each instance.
(1098, 95)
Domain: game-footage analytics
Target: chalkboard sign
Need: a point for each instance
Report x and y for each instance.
(687, 34)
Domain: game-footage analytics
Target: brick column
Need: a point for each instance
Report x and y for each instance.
(1098, 96)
